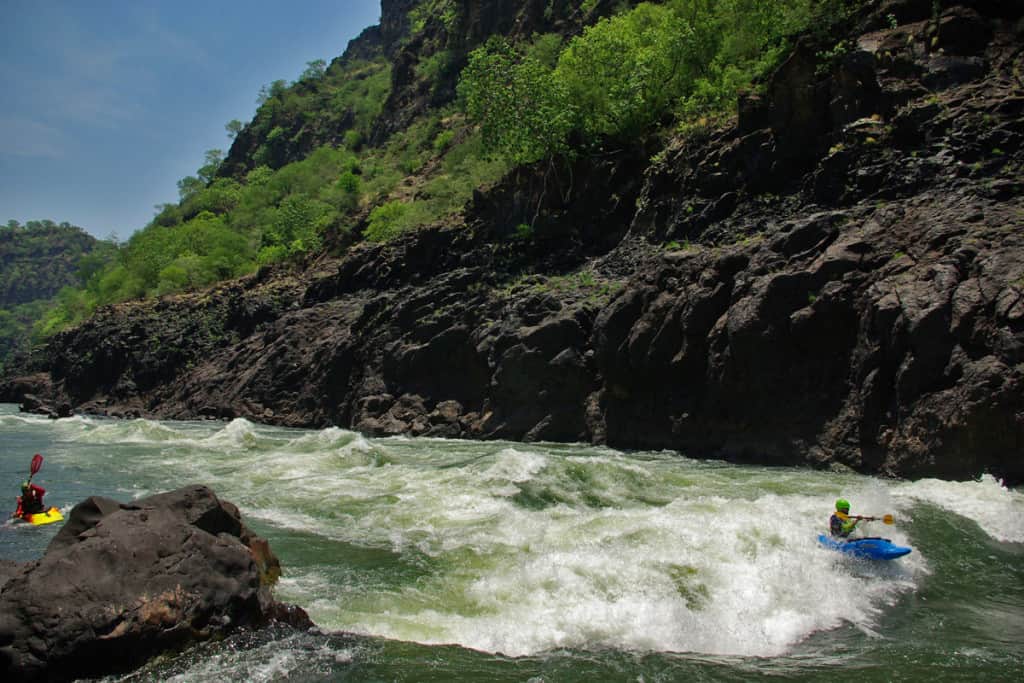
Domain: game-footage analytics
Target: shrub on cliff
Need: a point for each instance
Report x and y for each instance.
(522, 109)
(625, 74)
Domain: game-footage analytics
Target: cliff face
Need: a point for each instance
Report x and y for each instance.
(836, 278)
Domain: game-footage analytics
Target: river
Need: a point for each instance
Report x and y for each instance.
(438, 560)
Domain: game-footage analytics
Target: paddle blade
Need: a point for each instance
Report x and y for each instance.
(888, 520)
(37, 463)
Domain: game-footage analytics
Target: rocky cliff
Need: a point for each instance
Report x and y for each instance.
(835, 277)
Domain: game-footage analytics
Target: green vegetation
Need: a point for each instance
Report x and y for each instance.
(294, 120)
(457, 163)
(583, 285)
(38, 260)
(444, 11)
(16, 323)
(523, 111)
(224, 230)
(302, 173)
(40, 257)
(625, 74)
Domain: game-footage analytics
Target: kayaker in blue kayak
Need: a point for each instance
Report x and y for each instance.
(841, 524)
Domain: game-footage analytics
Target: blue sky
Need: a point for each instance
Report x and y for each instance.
(105, 105)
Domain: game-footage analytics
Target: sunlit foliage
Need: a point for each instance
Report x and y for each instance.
(627, 74)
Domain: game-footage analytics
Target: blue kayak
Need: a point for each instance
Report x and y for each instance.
(870, 548)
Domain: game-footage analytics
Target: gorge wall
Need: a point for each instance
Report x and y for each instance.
(834, 278)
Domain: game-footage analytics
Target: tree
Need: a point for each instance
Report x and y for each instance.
(314, 71)
(268, 92)
(188, 187)
(626, 72)
(234, 127)
(208, 171)
(522, 110)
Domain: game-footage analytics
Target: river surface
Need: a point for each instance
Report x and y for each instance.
(437, 560)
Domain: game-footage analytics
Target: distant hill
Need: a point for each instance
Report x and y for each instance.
(37, 260)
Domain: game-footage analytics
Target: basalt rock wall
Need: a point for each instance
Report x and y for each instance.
(835, 278)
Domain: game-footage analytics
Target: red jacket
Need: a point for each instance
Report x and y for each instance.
(33, 502)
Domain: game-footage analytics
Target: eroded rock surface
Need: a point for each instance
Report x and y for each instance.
(122, 582)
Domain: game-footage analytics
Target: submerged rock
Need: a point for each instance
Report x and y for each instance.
(121, 583)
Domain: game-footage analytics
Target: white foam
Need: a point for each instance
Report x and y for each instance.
(704, 574)
(513, 465)
(21, 419)
(239, 433)
(275, 661)
(332, 438)
(133, 431)
(998, 510)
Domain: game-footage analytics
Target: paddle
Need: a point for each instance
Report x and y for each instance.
(37, 464)
(885, 519)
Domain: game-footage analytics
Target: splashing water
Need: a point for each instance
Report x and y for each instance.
(530, 550)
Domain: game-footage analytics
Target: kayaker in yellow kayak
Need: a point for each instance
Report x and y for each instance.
(30, 502)
(31, 499)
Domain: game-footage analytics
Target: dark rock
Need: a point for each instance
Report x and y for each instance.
(121, 583)
(962, 31)
(9, 569)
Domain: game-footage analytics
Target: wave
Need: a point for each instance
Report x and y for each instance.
(238, 434)
(104, 431)
(700, 574)
(997, 509)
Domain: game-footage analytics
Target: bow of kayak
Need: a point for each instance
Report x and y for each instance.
(870, 548)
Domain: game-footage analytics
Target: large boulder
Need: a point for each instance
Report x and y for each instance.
(121, 583)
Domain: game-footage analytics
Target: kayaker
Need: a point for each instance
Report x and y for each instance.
(841, 524)
(31, 500)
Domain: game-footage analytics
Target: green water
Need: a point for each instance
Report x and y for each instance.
(435, 560)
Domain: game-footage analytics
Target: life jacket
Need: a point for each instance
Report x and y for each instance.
(31, 500)
(835, 526)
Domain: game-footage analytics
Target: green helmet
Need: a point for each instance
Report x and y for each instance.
(24, 486)
(843, 505)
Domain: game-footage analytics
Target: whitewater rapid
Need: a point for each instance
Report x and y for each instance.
(523, 549)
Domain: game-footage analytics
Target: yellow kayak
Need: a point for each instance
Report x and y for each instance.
(48, 517)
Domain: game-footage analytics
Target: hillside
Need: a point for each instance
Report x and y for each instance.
(38, 260)
(832, 276)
